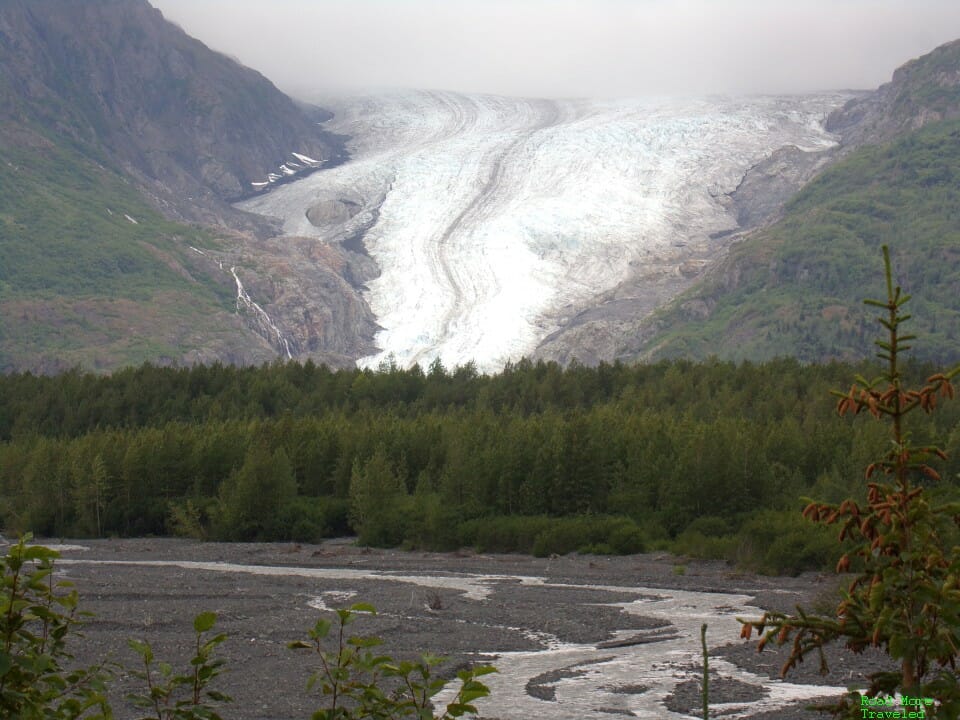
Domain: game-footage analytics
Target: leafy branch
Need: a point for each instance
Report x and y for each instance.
(165, 695)
(355, 679)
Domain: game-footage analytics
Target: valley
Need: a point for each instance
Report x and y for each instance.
(494, 221)
(605, 336)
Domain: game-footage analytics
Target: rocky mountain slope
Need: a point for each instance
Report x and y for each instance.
(115, 76)
(795, 287)
(114, 124)
(116, 129)
(922, 91)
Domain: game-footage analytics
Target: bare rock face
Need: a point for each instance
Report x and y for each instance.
(614, 327)
(767, 186)
(191, 130)
(922, 91)
(307, 306)
(331, 210)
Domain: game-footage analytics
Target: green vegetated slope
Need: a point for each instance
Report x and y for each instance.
(924, 90)
(796, 288)
(928, 82)
(82, 284)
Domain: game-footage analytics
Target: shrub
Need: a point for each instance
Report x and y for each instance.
(512, 533)
(187, 696)
(698, 545)
(589, 533)
(37, 615)
(709, 526)
(310, 519)
(780, 542)
(627, 539)
(432, 524)
(356, 681)
(541, 536)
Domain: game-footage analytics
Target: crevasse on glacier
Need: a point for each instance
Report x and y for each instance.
(489, 217)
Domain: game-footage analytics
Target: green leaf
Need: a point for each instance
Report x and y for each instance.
(460, 709)
(204, 621)
(39, 552)
(473, 694)
(363, 607)
(143, 649)
(321, 629)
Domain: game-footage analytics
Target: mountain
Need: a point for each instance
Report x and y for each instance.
(796, 286)
(468, 227)
(923, 91)
(115, 76)
(116, 128)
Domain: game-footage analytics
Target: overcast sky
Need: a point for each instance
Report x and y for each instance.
(571, 48)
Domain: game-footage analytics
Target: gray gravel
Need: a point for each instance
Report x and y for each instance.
(262, 614)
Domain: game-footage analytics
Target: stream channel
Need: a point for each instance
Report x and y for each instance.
(573, 638)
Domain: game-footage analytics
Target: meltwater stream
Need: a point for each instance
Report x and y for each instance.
(585, 680)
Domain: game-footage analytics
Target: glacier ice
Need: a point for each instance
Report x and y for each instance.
(491, 217)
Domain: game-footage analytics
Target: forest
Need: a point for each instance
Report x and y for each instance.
(707, 459)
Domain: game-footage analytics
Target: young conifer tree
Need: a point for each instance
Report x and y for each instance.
(905, 593)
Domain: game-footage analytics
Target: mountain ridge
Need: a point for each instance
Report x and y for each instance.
(795, 286)
(116, 130)
(114, 122)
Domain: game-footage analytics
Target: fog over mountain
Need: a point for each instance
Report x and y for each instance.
(572, 48)
(504, 203)
(504, 226)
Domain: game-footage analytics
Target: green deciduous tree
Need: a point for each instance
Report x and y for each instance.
(90, 488)
(377, 500)
(251, 498)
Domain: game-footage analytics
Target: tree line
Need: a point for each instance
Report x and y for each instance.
(708, 458)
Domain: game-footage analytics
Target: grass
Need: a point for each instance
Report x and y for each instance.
(82, 284)
(64, 232)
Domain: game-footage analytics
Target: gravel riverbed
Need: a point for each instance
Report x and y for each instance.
(573, 637)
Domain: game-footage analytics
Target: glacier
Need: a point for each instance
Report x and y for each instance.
(492, 219)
